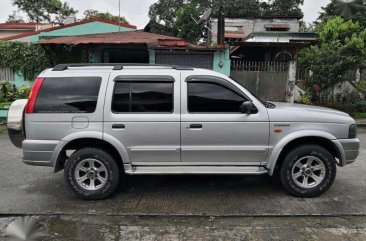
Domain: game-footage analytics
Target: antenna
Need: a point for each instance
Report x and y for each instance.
(203, 18)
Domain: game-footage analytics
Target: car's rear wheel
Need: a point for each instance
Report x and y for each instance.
(308, 171)
(92, 173)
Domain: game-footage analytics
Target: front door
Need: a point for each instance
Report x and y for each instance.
(213, 129)
(142, 112)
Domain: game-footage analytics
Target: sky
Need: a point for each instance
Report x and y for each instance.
(136, 11)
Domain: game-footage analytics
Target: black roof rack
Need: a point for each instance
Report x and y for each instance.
(62, 67)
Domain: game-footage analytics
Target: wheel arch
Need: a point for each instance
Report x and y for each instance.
(323, 139)
(92, 139)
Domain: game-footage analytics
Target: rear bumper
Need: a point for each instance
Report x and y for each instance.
(351, 150)
(39, 152)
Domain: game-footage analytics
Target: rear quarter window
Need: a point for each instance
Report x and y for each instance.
(68, 95)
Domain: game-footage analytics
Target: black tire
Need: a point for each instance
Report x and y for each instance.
(103, 157)
(299, 153)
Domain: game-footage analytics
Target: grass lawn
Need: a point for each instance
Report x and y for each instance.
(3, 104)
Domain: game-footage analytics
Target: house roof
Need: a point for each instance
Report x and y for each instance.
(23, 26)
(272, 44)
(298, 17)
(70, 25)
(139, 37)
(280, 37)
(234, 34)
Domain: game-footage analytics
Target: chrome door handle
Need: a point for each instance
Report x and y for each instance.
(195, 126)
(118, 126)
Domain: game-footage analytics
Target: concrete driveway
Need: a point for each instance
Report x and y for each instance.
(27, 190)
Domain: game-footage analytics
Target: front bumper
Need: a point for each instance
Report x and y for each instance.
(350, 149)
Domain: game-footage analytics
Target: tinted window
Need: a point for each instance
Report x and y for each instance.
(143, 97)
(211, 97)
(68, 95)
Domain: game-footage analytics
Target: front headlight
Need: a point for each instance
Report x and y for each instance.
(352, 131)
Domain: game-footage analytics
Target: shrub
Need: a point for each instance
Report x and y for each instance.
(8, 92)
(361, 106)
(23, 92)
(305, 98)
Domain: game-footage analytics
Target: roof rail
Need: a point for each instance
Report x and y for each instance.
(62, 67)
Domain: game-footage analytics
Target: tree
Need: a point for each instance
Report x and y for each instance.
(52, 11)
(285, 8)
(163, 16)
(20, 57)
(342, 48)
(90, 13)
(15, 18)
(188, 29)
(350, 10)
(164, 13)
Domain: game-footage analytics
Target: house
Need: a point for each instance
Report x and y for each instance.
(263, 38)
(272, 46)
(144, 47)
(90, 26)
(237, 29)
(264, 52)
(13, 29)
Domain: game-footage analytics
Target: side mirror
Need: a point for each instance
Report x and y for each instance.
(246, 107)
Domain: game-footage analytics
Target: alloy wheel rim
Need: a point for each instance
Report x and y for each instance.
(308, 172)
(91, 174)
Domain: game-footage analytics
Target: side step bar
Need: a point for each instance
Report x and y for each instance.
(178, 170)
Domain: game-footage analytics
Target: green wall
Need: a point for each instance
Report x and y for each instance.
(222, 56)
(152, 56)
(19, 80)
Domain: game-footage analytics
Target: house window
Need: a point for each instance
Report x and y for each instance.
(278, 29)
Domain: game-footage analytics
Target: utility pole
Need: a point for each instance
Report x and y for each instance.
(119, 15)
(221, 28)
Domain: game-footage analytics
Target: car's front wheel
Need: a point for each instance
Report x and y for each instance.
(92, 173)
(308, 171)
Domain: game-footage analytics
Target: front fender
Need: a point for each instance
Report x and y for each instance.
(277, 149)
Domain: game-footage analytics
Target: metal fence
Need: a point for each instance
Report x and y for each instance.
(259, 66)
(268, 80)
(7, 74)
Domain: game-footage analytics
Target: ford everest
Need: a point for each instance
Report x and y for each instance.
(100, 121)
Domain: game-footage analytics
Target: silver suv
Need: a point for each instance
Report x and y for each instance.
(99, 122)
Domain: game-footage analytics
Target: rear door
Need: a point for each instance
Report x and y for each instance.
(143, 113)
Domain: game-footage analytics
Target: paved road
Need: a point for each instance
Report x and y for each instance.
(37, 190)
(108, 228)
(183, 207)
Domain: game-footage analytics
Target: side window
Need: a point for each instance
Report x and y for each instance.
(68, 95)
(142, 97)
(206, 97)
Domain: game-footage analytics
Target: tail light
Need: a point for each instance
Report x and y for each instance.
(33, 95)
